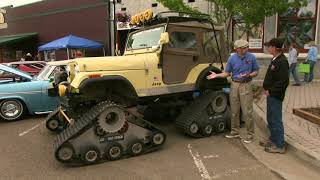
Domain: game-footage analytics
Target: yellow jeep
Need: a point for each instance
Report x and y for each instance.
(163, 71)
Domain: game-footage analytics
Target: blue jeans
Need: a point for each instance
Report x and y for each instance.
(312, 63)
(292, 69)
(274, 118)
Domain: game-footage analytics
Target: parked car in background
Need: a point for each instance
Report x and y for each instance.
(31, 67)
(20, 93)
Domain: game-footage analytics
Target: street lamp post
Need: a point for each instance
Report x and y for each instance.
(113, 27)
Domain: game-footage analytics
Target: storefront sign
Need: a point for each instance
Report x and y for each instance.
(255, 43)
(3, 24)
(123, 26)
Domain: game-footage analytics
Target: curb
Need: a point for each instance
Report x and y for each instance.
(273, 170)
(302, 152)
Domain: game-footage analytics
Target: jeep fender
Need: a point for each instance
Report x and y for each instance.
(203, 83)
(114, 83)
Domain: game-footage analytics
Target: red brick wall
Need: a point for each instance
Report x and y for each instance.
(53, 19)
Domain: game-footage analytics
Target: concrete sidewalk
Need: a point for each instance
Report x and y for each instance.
(302, 136)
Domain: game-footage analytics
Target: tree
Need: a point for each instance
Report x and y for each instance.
(251, 12)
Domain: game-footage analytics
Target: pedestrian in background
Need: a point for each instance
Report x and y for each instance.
(242, 66)
(312, 60)
(28, 57)
(292, 59)
(275, 84)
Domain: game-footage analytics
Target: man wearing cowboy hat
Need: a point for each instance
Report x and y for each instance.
(28, 57)
(242, 67)
(275, 84)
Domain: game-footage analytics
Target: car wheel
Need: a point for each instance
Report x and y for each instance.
(11, 109)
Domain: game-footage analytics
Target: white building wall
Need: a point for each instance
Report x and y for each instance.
(136, 6)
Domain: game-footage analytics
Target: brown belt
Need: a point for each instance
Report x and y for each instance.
(242, 81)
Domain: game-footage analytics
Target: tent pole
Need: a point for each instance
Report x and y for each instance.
(68, 52)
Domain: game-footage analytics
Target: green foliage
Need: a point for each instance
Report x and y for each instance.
(252, 12)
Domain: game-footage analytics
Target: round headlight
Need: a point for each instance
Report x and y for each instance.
(62, 90)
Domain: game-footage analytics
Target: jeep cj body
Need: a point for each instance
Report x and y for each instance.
(162, 74)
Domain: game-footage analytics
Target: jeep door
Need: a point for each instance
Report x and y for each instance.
(181, 54)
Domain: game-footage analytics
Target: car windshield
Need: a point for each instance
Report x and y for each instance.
(44, 72)
(144, 39)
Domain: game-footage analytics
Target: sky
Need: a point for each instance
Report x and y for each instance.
(16, 2)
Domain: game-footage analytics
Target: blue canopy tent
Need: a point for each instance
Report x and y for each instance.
(71, 42)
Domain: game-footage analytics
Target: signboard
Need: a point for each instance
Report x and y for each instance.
(123, 26)
(255, 43)
(3, 24)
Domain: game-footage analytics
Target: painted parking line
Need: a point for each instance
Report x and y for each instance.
(198, 163)
(31, 129)
(210, 156)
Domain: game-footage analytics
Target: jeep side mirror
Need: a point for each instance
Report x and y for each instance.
(164, 38)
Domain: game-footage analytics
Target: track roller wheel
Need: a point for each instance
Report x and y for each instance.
(53, 124)
(220, 125)
(193, 128)
(114, 151)
(219, 102)
(158, 138)
(206, 130)
(90, 155)
(65, 153)
(135, 148)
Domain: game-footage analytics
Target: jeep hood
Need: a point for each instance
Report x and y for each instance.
(111, 63)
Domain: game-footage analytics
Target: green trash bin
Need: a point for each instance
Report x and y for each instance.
(304, 68)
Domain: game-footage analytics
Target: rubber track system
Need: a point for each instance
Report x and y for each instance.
(150, 138)
(195, 117)
(53, 117)
(52, 114)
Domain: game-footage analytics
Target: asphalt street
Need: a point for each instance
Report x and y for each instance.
(27, 153)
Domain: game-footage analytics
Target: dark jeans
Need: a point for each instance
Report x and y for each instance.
(275, 124)
(310, 78)
(292, 69)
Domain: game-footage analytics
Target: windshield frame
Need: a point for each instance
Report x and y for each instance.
(43, 74)
(142, 30)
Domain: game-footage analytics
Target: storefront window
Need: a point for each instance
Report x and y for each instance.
(298, 25)
(254, 35)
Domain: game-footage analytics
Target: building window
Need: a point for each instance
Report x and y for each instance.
(154, 4)
(254, 35)
(298, 25)
(191, 1)
(123, 9)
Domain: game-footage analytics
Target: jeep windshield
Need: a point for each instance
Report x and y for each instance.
(144, 39)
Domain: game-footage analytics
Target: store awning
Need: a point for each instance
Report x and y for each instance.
(16, 38)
